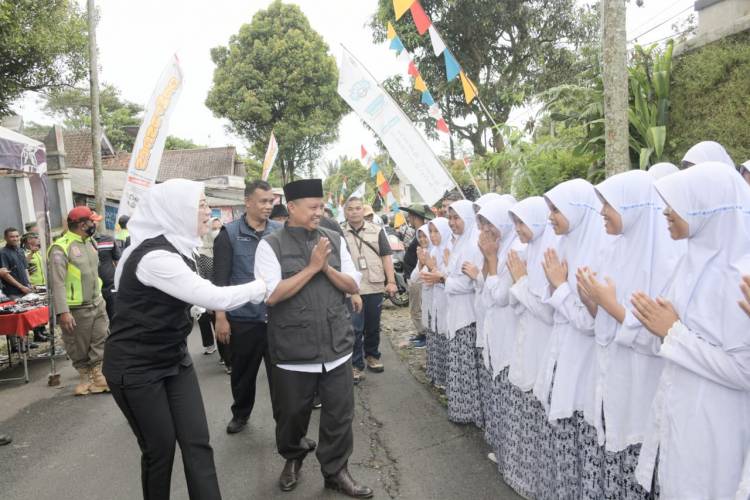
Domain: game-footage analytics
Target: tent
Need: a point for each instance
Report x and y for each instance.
(22, 155)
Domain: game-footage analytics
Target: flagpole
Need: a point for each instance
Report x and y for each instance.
(403, 115)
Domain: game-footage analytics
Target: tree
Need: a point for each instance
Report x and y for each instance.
(511, 49)
(43, 45)
(615, 79)
(73, 106)
(276, 75)
(174, 142)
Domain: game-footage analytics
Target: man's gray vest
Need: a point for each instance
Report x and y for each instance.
(244, 243)
(313, 326)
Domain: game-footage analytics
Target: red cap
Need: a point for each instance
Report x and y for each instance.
(82, 213)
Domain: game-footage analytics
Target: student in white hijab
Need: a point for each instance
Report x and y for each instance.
(440, 238)
(699, 419)
(659, 170)
(424, 250)
(642, 257)
(463, 384)
(146, 360)
(574, 214)
(745, 171)
(535, 322)
(498, 238)
(706, 151)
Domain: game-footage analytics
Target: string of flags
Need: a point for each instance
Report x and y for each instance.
(384, 188)
(419, 83)
(424, 25)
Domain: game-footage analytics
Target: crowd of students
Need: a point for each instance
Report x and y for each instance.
(599, 335)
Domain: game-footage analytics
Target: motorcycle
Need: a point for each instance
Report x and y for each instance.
(401, 297)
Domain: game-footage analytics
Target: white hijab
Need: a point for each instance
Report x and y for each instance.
(585, 239)
(643, 256)
(708, 151)
(465, 246)
(534, 212)
(659, 170)
(169, 209)
(441, 224)
(713, 200)
(496, 213)
(486, 198)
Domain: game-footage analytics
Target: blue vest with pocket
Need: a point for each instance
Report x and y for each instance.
(244, 241)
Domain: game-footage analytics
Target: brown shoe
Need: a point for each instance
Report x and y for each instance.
(98, 382)
(374, 364)
(84, 382)
(358, 375)
(290, 474)
(343, 483)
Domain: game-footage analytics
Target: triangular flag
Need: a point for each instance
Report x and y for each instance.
(438, 45)
(379, 178)
(470, 91)
(397, 45)
(412, 70)
(384, 189)
(359, 192)
(435, 112)
(391, 32)
(363, 152)
(400, 7)
(427, 98)
(390, 199)
(374, 169)
(419, 84)
(442, 126)
(399, 220)
(421, 21)
(452, 69)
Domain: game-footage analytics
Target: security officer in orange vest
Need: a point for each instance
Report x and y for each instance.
(77, 298)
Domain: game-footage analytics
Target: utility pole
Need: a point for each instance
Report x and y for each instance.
(96, 126)
(615, 78)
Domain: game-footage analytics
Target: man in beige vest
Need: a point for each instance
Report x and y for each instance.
(372, 255)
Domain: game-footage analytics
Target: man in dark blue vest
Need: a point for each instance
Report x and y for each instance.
(244, 329)
(308, 273)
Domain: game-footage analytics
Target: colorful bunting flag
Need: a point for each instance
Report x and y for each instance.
(421, 21)
(442, 126)
(427, 98)
(373, 169)
(452, 69)
(438, 45)
(470, 91)
(400, 7)
(435, 112)
(419, 84)
(379, 178)
(391, 32)
(397, 45)
(363, 152)
(412, 69)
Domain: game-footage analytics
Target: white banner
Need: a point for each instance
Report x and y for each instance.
(407, 147)
(149, 144)
(271, 152)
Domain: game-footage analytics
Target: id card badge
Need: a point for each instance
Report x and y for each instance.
(362, 263)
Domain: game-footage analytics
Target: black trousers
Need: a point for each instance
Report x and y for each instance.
(293, 394)
(109, 301)
(160, 414)
(248, 344)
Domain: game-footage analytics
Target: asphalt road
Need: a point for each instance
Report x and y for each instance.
(81, 448)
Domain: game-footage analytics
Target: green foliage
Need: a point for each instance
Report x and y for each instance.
(43, 45)
(711, 98)
(276, 75)
(650, 73)
(512, 49)
(73, 106)
(174, 142)
(355, 174)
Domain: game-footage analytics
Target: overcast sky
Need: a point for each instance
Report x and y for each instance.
(137, 37)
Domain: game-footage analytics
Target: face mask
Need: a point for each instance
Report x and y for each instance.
(91, 231)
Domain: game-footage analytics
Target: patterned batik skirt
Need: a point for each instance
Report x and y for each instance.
(431, 356)
(438, 359)
(590, 458)
(464, 405)
(515, 469)
(618, 474)
(487, 400)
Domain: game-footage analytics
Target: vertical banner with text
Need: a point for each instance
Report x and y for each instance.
(149, 144)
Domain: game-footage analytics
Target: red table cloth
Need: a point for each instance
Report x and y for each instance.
(20, 324)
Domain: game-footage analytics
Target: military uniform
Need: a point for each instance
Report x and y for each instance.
(76, 288)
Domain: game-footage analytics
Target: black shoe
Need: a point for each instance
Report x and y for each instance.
(290, 474)
(236, 425)
(33, 345)
(316, 403)
(343, 483)
(40, 337)
(5, 439)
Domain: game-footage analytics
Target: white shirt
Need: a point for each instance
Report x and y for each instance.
(166, 271)
(268, 268)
